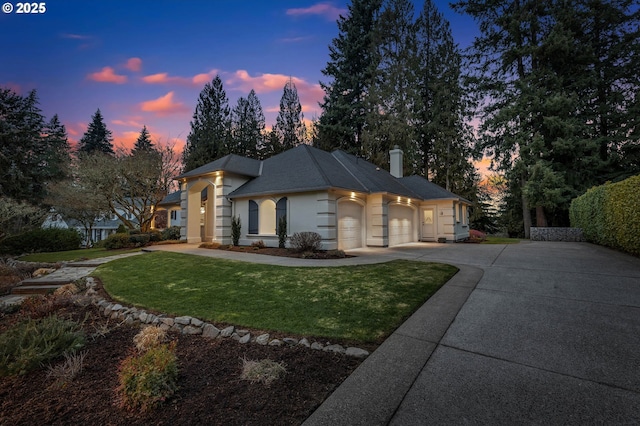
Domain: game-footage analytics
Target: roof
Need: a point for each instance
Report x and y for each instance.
(229, 163)
(429, 190)
(171, 199)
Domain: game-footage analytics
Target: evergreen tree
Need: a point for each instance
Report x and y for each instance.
(290, 126)
(351, 69)
(248, 126)
(97, 138)
(272, 145)
(143, 143)
(32, 153)
(210, 133)
(443, 138)
(392, 97)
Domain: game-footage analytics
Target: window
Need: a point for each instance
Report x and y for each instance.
(281, 210)
(174, 215)
(460, 212)
(253, 217)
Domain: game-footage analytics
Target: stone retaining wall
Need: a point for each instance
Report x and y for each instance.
(556, 234)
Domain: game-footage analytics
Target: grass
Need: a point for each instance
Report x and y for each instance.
(364, 302)
(59, 256)
(501, 240)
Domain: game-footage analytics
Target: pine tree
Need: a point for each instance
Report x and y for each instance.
(248, 126)
(97, 138)
(57, 156)
(290, 126)
(210, 134)
(143, 143)
(443, 140)
(392, 97)
(351, 70)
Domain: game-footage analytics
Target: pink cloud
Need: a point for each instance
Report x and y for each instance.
(14, 87)
(165, 78)
(327, 10)
(309, 94)
(133, 64)
(75, 36)
(75, 132)
(107, 75)
(164, 105)
(135, 121)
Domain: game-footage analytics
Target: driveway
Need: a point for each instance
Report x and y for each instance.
(530, 333)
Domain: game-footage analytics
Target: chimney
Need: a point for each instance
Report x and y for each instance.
(395, 158)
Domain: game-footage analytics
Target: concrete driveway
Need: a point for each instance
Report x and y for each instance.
(531, 333)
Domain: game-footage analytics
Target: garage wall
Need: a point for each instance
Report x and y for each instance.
(402, 224)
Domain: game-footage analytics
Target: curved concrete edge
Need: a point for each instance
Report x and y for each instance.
(374, 391)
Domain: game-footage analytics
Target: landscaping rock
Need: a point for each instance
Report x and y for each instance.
(317, 346)
(304, 342)
(169, 321)
(262, 339)
(275, 342)
(227, 332)
(165, 327)
(210, 331)
(183, 320)
(290, 341)
(196, 322)
(117, 307)
(357, 352)
(143, 317)
(242, 333)
(245, 339)
(190, 329)
(334, 348)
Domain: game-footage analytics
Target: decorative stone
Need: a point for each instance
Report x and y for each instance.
(262, 339)
(290, 341)
(177, 327)
(357, 352)
(227, 332)
(169, 321)
(334, 348)
(235, 336)
(183, 320)
(210, 331)
(317, 346)
(143, 316)
(242, 333)
(245, 339)
(153, 319)
(116, 307)
(190, 329)
(196, 322)
(304, 342)
(165, 327)
(129, 320)
(275, 342)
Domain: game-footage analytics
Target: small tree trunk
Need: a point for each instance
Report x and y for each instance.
(541, 218)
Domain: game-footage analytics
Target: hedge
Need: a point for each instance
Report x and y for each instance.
(609, 215)
(41, 240)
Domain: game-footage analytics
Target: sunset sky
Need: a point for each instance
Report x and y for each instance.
(145, 62)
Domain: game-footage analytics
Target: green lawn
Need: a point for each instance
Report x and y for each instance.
(59, 256)
(364, 303)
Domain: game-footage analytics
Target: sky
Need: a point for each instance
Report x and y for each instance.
(144, 62)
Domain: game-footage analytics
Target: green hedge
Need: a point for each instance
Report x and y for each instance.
(610, 215)
(41, 240)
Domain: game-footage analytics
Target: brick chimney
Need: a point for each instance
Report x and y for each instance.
(395, 160)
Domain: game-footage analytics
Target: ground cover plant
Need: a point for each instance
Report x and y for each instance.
(363, 303)
(70, 255)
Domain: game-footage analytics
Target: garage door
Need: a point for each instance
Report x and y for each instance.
(400, 225)
(349, 225)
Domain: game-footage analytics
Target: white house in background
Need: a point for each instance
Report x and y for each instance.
(350, 202)
(101, 229)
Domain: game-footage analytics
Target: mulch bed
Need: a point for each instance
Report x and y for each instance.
(211, 391)
(284, 252)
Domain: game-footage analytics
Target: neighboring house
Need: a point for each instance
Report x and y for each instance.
(350, 202)
(100, 230)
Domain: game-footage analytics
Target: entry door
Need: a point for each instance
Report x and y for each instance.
(428, 225)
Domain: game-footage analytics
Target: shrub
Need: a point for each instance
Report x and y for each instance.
(42, 240)
(172, 233)
(306, 241)
(122, 229)
(148, 379)
(155, 236)
(149, 337)
(66, 290)
(43, 306)
(236, 230)
(30, 343)
(258, 244)
(282, 232)
(608, 215)
(69, 369)
(139, 240)
(264, 371)
(337, 254)
(211, 245)
(116, 241)
(477, 236)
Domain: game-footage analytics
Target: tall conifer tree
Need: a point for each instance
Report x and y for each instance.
(97, 138)
(143, 143)
(248, 126)
(290, 126)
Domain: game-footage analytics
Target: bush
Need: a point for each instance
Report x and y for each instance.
(30, 343)
(44, 306)
(139, 240)
(608, 215)
(264, 371)
(122, 229)
(148, 379)
(172, 233)
(477, 236)
(116, 241)
(236, 230)
(155, 236)
(306, 241)
(258, 244)
(282, 232)
(42, 240)
(149, 337)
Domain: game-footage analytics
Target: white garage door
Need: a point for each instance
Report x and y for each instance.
(349, 225)
(400, 225)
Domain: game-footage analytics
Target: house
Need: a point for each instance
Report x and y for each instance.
(102, 227)
(350, 202)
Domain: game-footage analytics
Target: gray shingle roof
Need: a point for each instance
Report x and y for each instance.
(171, 199)
(229, 163)
(428, 190)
